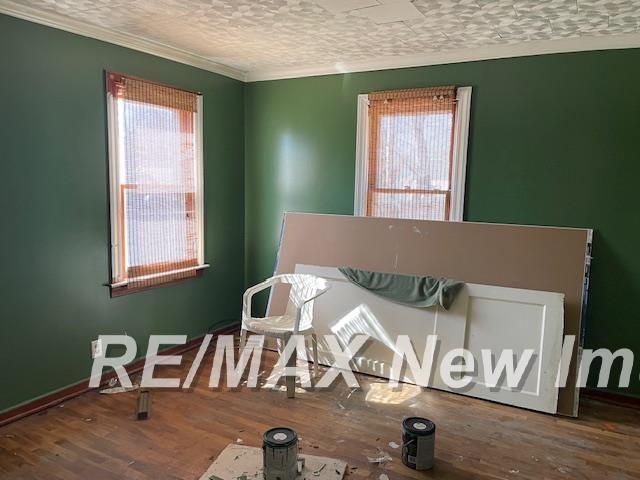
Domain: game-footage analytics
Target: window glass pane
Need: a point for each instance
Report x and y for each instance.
(413, 151)
(158, 182)
(153, 145)
(156, 230)
(417, 206)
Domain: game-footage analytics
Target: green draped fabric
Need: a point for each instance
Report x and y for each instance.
(415, 291)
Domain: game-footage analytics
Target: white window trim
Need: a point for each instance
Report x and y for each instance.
(460, 143)
(115, 152)
(199, 180)
(362, 157)
(114, 194)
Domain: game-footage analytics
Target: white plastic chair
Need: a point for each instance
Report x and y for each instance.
(298, 317)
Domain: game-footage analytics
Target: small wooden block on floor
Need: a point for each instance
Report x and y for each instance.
(144, 405)
(241, 461)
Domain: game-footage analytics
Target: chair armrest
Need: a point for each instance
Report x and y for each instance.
(251, 291)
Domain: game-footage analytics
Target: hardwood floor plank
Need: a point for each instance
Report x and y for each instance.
(97, 436)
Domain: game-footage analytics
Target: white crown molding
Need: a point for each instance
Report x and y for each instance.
(536, 47)
(123, 39)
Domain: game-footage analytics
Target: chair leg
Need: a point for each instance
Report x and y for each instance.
(291, 363)
(314, 344)
(243, 339)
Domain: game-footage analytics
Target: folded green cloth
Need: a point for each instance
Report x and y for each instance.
(415, 291)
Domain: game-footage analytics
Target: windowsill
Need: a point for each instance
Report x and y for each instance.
(119, 291)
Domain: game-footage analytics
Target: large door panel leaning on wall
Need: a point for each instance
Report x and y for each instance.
(546, 259)
(482, 317)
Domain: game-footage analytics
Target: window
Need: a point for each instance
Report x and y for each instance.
(411, 153)
(155, 162)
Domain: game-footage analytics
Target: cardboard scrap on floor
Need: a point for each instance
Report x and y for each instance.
(245, 463)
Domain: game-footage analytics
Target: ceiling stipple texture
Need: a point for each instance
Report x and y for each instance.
(252, 35)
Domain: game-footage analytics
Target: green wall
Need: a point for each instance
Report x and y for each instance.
(54, 254)
(554, 141)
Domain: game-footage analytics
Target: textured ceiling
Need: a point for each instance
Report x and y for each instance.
(253, 35)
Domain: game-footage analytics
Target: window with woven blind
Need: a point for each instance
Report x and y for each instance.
(155, 160)
(412, 153)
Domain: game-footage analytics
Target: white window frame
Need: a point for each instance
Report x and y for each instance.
(116, 160)
(459, 166)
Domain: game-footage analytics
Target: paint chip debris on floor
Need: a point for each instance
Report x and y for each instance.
(379, 457)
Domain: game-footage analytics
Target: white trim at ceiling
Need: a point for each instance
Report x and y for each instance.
(537, 47)
(524, 49)
(123, 39)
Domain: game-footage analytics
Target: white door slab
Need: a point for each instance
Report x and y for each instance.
(482, 317)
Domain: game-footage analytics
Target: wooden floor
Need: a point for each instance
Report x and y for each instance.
(96, 437)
